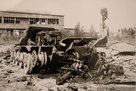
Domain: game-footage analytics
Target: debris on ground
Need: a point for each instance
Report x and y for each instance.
(119, 68)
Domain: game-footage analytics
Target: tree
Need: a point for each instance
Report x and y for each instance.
(78, 30)
(92, 31)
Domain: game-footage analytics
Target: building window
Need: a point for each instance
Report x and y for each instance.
(53, 21)
(0, 19)
(57, 21)
(37, 20)
(17, 20)
(5, 19)
(9, 20)
(43, 20)
(32, 21)
(24, 20)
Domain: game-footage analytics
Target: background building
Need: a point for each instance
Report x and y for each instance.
(12, 22)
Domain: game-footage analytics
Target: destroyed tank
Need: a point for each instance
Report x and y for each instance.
(44, 47)
(35, 49)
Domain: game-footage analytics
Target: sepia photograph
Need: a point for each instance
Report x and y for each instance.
(68, 45)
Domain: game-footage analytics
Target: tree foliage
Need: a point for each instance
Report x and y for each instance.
(130, 32)
(79, 31)
(92, 31)
(127, 34)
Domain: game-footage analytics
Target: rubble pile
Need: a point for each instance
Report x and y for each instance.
(124, 54)
(5, 50)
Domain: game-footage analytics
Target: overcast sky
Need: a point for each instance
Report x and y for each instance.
(122, 13)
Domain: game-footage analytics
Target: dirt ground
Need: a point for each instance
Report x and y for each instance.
(12, 78)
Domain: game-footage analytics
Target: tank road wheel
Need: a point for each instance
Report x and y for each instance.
(28, 64)
(14, 55)
(41, 58)
(17, 58)
(34, 56)
(21, 57)
(45, 58)
(25, 57)
(11, 55)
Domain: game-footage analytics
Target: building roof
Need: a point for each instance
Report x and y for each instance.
(28, 12)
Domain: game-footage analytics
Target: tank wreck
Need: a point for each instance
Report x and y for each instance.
(43, 47)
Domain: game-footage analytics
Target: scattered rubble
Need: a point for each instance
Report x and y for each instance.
(11, 78)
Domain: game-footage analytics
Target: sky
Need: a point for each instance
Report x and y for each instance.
(121, 13)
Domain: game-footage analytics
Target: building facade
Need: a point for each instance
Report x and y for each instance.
(12, 22)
